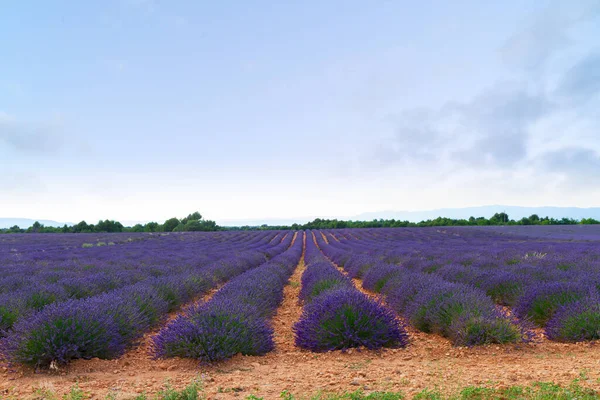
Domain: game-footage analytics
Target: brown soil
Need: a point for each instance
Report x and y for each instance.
(428, 362)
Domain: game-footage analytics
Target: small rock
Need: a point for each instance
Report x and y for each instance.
(116, 371)
(356, 382)
(172, 368)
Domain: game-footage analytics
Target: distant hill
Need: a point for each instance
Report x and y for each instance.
(514, 212)
(26, 222)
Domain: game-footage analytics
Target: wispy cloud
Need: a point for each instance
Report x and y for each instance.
(548, 33)
(25, 137)
(493, 131)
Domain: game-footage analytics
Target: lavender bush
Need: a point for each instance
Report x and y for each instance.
(576, 322)
(345, 318)
(214, 331)
(541, 302)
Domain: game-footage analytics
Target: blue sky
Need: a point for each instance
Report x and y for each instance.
(142, 109)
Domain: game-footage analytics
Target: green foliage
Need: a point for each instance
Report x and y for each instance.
(170, 224)
(324, 285)
(151, 227)
(75, 394)
(427, 394)
(195, 222)
(190, 392)
(496, 219)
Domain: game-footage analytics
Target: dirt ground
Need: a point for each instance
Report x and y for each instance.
(429, 362)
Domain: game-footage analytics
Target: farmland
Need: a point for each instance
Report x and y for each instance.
(404, 309)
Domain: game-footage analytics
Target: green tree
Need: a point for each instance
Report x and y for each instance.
(151, 227)
(81, 227)
(499, 219)
(170, 224)
(195, 216)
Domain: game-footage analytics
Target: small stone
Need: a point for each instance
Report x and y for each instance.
(116, 371)
(172, 368)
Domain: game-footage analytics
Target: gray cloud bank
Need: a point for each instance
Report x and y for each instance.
(496, 129)
(25, 137)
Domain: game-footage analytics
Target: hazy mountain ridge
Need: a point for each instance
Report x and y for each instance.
(27, 222)
(514, 212)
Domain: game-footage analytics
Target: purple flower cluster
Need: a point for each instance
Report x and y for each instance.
(344, 318)
(236, 319)
(336, 315)
(575, 322)
(541, 302)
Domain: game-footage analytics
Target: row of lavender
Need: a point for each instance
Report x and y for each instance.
(551, 283)
(104, 324)
(74, 273)
(236, 319)
(336, 315)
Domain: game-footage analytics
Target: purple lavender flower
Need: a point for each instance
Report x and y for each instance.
(345, 318)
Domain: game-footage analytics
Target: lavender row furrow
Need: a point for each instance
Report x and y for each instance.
(236, 319)
(336, 315)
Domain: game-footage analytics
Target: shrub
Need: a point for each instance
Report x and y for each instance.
(457, 311)
(576, 321)
(345, 318)
(540, 304)
(469, 330)
(379, 275)
(214, 331)
(503, 287)
(320, 277)
(61, 332)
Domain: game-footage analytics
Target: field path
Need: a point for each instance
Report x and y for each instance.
(290, 310)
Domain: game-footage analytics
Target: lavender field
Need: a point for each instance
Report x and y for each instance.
(84, 296)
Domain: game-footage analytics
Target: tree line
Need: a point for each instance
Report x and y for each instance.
(194, 222)
(496, 219)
